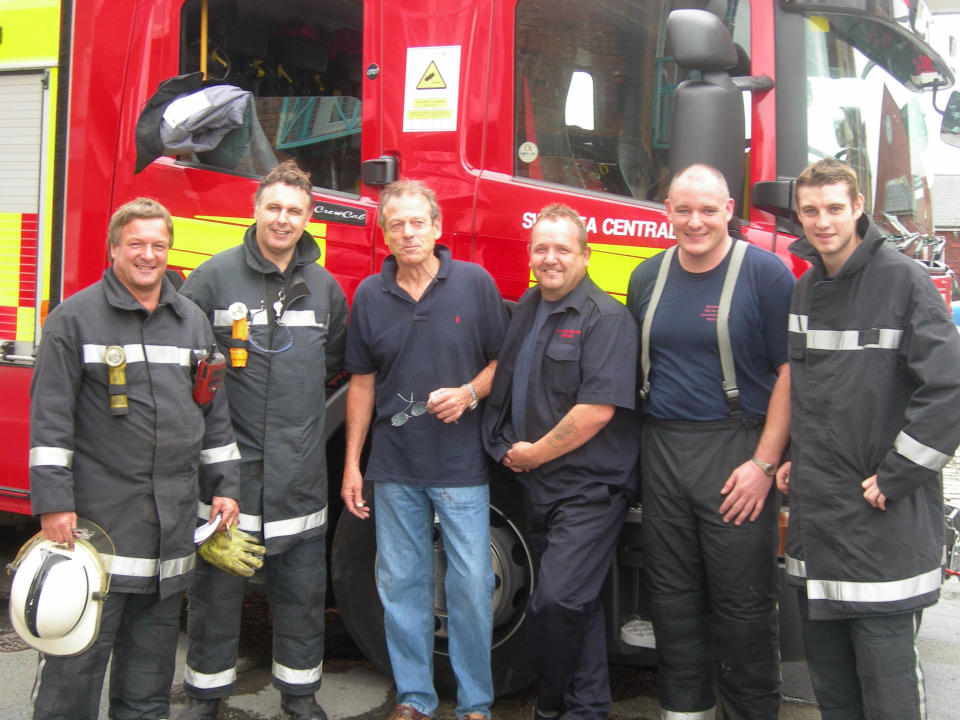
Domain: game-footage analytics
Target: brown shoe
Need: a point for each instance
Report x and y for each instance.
(475, 716)
(405, 712)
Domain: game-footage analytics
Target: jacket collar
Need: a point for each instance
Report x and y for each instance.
(305, 252)
(871, 241)
(119, 297)
(573, 300)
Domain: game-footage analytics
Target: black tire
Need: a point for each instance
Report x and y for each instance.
(354, 585)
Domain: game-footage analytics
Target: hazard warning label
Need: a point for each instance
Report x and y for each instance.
(431, 89)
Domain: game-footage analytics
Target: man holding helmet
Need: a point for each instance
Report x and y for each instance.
(117, 438)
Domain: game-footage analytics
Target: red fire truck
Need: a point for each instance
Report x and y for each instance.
(501, 105)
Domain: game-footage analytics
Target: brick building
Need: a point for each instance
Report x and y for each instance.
(946, 216)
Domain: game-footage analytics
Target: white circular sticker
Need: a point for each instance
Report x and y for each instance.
(528, 152)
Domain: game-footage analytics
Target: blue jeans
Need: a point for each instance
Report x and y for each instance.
(404, 518)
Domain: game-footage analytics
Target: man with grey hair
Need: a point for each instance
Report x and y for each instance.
(424, 338)
(116, 439)
(713, 312)
(560, 415)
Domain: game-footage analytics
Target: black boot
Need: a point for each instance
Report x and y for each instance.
(198, 709)
(302, 707)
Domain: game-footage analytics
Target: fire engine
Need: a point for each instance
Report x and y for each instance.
(502, 106)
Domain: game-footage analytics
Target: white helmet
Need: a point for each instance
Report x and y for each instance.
(57, 594)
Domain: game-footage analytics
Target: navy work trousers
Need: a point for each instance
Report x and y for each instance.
(574, 540)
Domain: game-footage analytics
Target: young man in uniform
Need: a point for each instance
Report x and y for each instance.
(875, 399)
(295, 316)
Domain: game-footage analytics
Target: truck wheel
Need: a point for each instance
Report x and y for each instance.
(354, 583)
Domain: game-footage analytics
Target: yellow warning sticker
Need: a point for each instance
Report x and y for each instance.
(431, 78)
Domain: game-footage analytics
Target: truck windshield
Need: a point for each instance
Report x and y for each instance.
(860, 112)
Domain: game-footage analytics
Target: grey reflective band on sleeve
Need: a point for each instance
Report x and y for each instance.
(219, 454)
(294, 526)
(919, 454)
(292, 676)
(648, 318)
(247, 523)
(58, 457)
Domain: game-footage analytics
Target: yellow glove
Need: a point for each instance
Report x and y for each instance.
(234, 551)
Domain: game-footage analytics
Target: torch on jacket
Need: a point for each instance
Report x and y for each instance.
(875, 389)
(134, 474)
(278, 399)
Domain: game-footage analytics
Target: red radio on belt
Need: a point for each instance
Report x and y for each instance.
(209, 377)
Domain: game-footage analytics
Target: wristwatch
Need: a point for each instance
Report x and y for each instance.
(475, 399)
(768, 469)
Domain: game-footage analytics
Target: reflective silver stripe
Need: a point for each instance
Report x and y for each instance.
(797, 568)
(147, 567)
(292, 526)
(850, 339)
(891, 591)
(290, 318)
(699, 715)
(219, 454)
(919, 672)
(797, 323)
(221, 318)
(887, 338)
(61, 457)
(177, 566)
(159, 354)
(208, 681)
(247, 523)
(918, 453)
(301, 318)
(297, 677)
(135, 567)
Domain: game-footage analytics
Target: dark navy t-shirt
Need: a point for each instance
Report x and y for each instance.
(443, 340)
(685, 372)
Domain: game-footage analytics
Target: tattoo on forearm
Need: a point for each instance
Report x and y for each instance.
(562, 433)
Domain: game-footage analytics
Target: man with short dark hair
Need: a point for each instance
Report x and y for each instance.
(281, 319)
(560, 414)
(116, 438)
(875, 396)
(716, 419)
(424, 338)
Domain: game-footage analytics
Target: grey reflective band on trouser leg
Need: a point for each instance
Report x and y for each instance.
(698, 715)
(209, 681)
(292, 676)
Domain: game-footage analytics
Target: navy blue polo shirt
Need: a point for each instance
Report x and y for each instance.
(443, 340)
(685, 372)
(586, 352)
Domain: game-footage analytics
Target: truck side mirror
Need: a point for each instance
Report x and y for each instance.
(950, 124)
